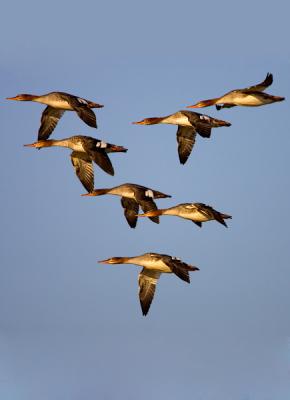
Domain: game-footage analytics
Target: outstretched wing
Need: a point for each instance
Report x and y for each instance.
(185, 138)
(101, 158)
(179, 268)
(84, 169)
(210, 212)
(83, 110)
(260, 87)
(49, 120)
(98, 154)
(131, 208)
(147, 283)
(149, 205)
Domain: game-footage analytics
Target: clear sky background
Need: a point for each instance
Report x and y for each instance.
(71, 328)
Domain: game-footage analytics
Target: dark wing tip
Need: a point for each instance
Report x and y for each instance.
(269, 78)
(145, 308)
(182, 160)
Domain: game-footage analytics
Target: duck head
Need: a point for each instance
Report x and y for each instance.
(114, 260)
(40, 143)
(23, 97)
(148, 121)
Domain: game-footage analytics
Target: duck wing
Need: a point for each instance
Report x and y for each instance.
(83, 110)
(131, 208)
(260, 87)
(147, 283)
(49, 120)
(84, 169)
(185, 138)
(101, 158)
(204, 130)
(146, 202)
(98, 154)
(179, 268)
(210, 212)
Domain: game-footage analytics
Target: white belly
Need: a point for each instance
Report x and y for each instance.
(124, 192)
(177, 120)
(249, 100)
(195, 215)
(55, 103)
(157, 266)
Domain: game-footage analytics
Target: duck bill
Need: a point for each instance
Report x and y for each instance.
(88, 194)
(11, 98)
(194, 106)
(108, 261)
(30, 145)
(139, 123)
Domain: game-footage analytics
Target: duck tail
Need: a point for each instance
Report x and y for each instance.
(192, 268)
(95, 105)
(219, 122)
(226, 216)
(278, 98)
(113, 148)
(221, 217)
(160, 195)
(204, 103)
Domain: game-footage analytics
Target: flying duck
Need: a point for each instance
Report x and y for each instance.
(133, 196)
(154, 265)
(252, 96)
(85, 150)
(57, 104)
(189, 124)
(196, 212)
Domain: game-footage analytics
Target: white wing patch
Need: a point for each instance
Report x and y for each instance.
(205, 117)
(149, 193)
(80, 100)
(176, 258)
(102, 144)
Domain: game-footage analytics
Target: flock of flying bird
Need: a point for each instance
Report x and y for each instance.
(86, 150)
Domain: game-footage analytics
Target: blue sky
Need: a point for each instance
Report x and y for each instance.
(71, 328)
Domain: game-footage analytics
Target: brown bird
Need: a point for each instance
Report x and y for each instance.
(252, 96)
(85, 150)
(57, 104)
(154, 265)
(196, 212)
(189, 124)
(132, 197)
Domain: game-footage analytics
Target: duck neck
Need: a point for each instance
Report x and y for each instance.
(123, 260)
(29, 97)
(60, 143)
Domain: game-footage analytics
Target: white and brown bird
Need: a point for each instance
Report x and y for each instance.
(195, 212)
(57, 103)
(154, 265)
(85, 150)
(133, 196)
(189, 124)
(252, 96)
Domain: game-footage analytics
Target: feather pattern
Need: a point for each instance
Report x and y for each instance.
(186, 139)
(147, 284)
(84, 169)
(131, 208)
(49, 120)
